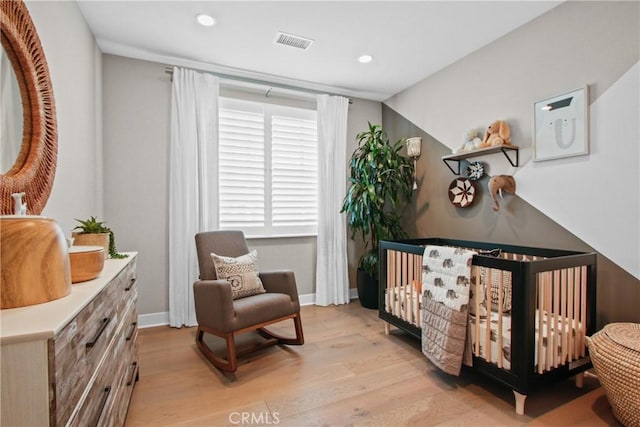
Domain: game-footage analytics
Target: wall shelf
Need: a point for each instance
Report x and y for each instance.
(452, 159)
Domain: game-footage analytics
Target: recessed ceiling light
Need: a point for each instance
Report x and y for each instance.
(365, 59)
(205, 20)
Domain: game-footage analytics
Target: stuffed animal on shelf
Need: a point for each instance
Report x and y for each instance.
(497, 134)
(471, 142)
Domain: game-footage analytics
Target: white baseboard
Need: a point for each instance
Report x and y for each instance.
(162, 318)
(310, 299)
(153, 319)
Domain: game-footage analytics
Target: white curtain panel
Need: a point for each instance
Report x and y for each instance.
(332, 278)
(193, 183)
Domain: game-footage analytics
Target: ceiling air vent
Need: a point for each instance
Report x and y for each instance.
(293, 41)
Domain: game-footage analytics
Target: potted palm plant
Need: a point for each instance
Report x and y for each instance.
(92, 232)
(381, 184)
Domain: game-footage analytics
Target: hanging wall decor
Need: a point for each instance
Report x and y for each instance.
(475, 171)
(561, 125)
(461, 192)
(499, 184)
(32, 169)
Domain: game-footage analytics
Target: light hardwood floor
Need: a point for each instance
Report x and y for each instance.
(349, 373)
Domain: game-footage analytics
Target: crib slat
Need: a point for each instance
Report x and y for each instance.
(548, 320)
(404, 287)
(556, 332)
(412, 291)
(583, 311)
(568, 331)
(563, 320)
(389, 284)
(418, 270)
(394, 282)
(391, 276)
(409, 290)
(540, 287)
(416, 294)
(397, 284)
(487, 349)
(419, 261)
(500, 309)
(390, 264)
(392, 289)
(477, 325)
(576, 316)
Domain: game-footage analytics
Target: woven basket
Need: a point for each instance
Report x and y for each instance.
(615, 353)
(92, 239)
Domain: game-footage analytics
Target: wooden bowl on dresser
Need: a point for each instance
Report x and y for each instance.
(87, 262)
(35, 264)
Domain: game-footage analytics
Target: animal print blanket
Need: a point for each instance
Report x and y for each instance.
(446, 274)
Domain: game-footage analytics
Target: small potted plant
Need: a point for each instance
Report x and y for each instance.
(92, 232)
(381, 184)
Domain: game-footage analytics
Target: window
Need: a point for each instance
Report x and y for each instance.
(268, 169)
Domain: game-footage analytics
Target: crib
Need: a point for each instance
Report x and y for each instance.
(529, 312)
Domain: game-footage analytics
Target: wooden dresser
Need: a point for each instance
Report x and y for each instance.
(73, 361)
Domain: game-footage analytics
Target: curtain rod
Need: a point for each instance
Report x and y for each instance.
(169, 70)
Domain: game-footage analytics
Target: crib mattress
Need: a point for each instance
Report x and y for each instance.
(403, 302)
(479, 336)
(503, 352)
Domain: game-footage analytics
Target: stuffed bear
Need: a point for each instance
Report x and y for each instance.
(497, 133)
(471, 142)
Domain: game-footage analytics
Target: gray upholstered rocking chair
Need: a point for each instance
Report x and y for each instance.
(219, 314)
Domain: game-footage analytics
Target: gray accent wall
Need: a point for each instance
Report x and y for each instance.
(431, 214)
(580, 203)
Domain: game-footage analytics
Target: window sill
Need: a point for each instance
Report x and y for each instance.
(280, 236)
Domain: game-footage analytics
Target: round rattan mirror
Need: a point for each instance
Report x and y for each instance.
(34, 168)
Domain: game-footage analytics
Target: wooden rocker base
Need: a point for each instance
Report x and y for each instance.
(230, 364)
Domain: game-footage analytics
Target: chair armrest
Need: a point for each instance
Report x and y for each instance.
(213, 303)
(282, 281)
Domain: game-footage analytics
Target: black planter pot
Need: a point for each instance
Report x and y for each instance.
(367, 290)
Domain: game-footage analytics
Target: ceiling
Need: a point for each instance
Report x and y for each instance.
(408, 40)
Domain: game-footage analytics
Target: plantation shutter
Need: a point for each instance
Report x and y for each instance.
(294, 170)
(268, 169)
(241, 157)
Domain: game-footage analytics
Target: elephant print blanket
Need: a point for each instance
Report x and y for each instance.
(446, 279)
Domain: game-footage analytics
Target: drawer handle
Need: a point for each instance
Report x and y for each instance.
(133, 331)
(134, 372)
(95, 339)
(103, 403)
(131, 283)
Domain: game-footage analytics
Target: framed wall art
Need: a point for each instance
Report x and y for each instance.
(561, 126)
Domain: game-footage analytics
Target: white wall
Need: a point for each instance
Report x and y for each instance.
(596, 197)
(75, 65)
(137, 96)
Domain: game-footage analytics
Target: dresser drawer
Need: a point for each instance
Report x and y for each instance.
(128, 352)
(125, 282)
(126, 343)
(96, 408)
(76, 351)
(108, 397)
